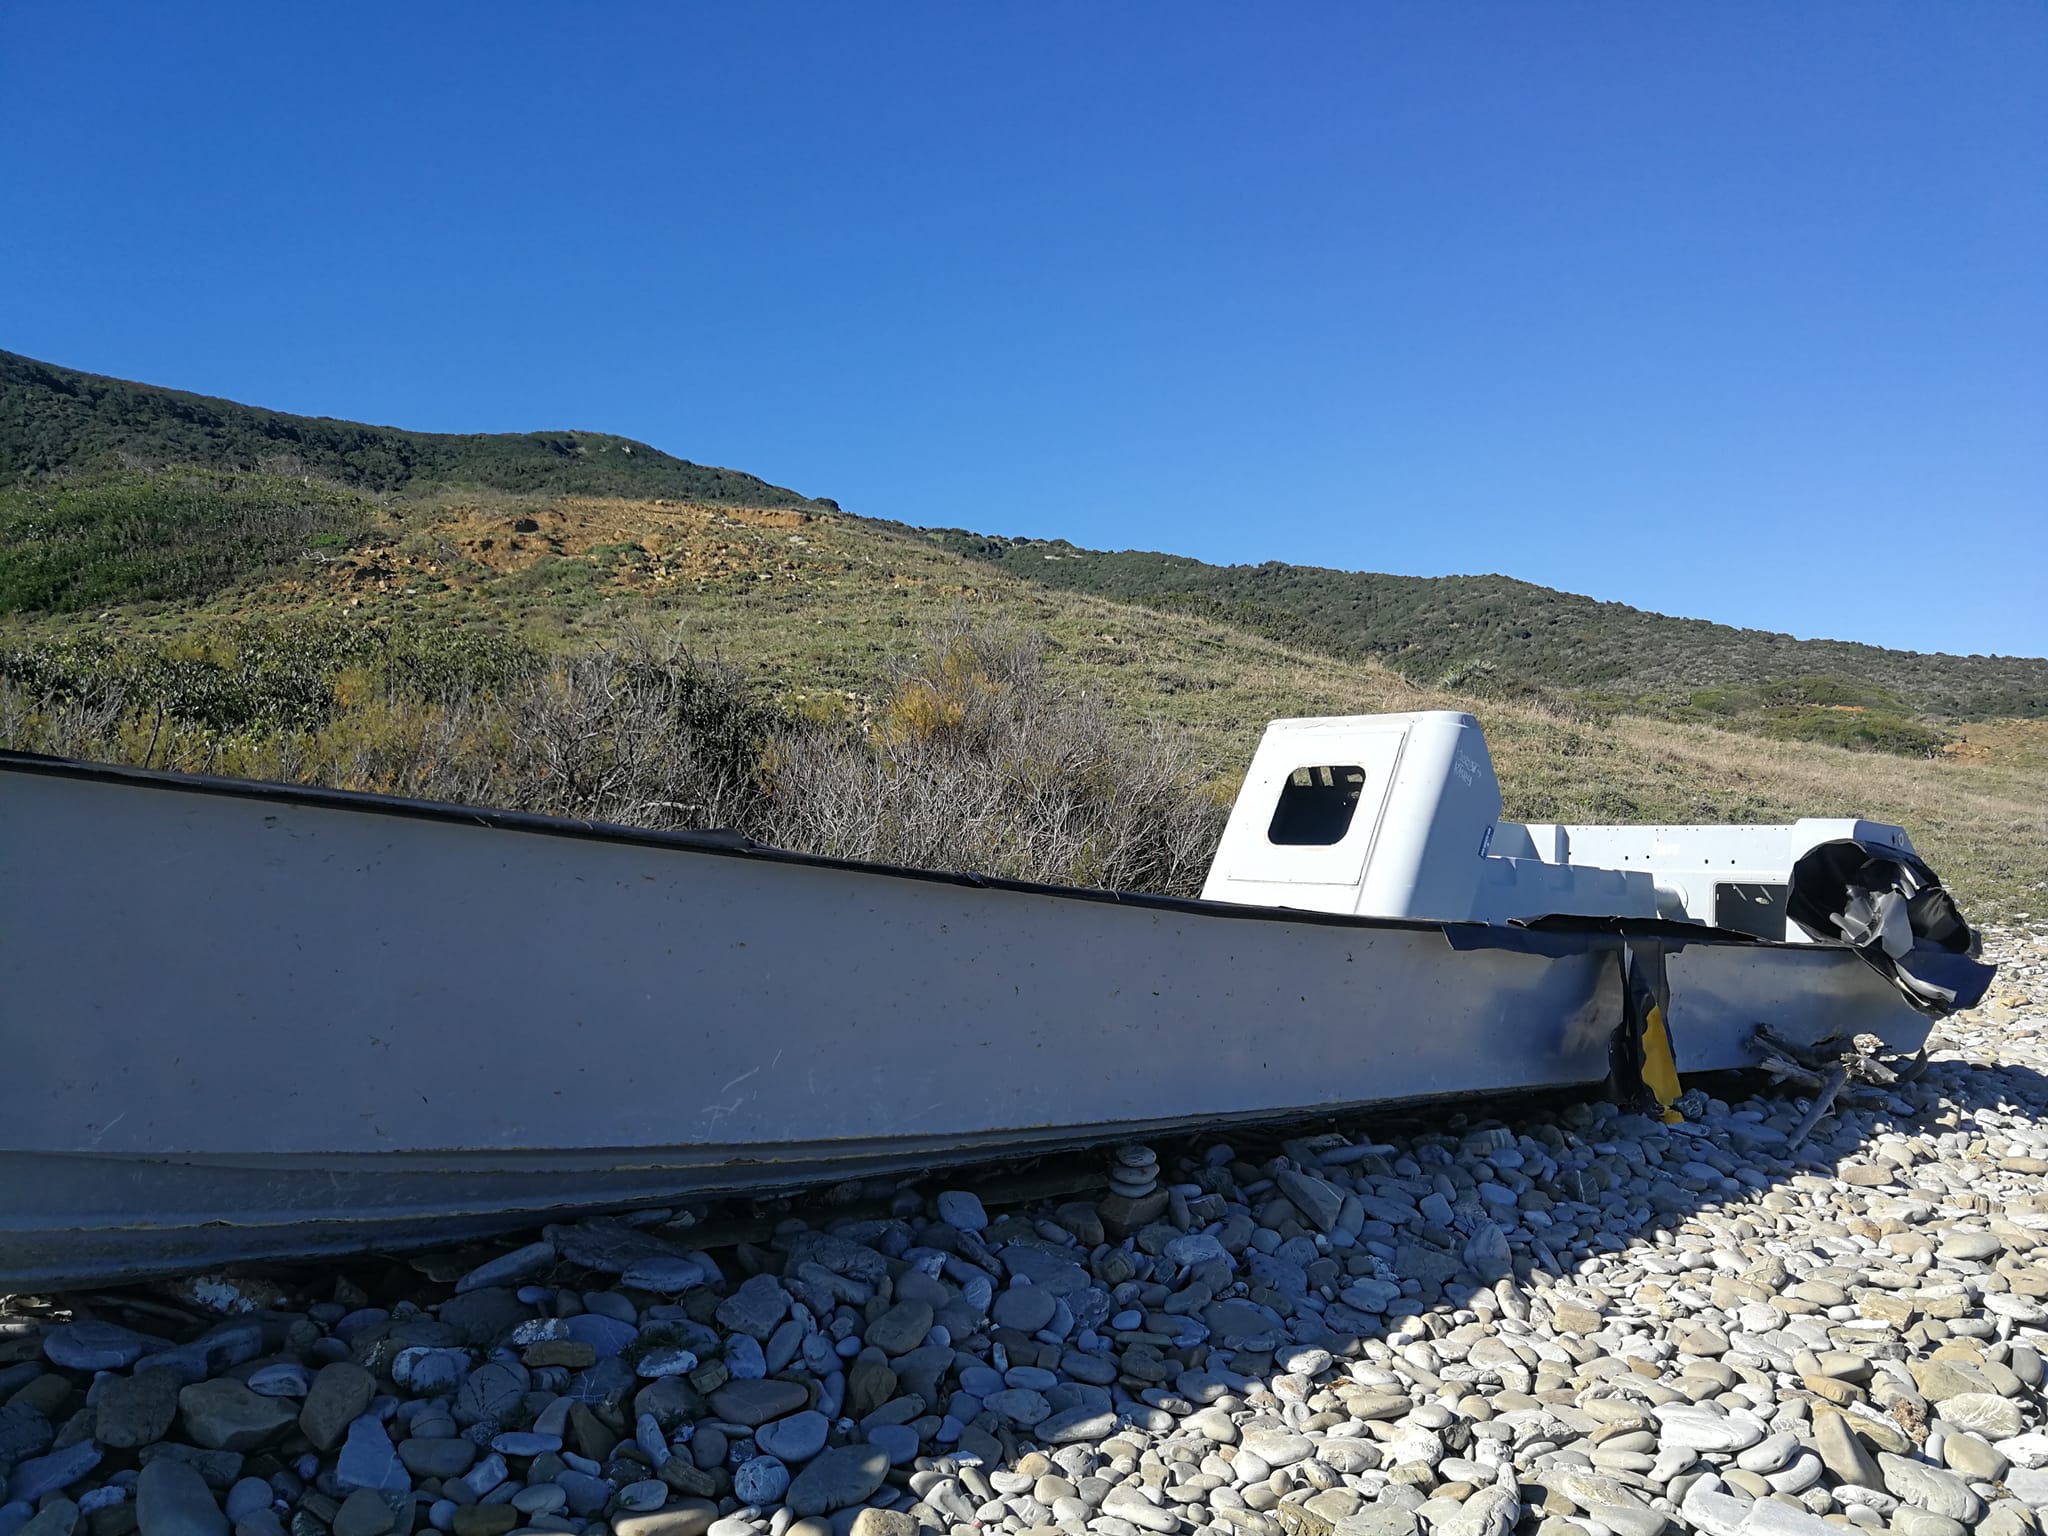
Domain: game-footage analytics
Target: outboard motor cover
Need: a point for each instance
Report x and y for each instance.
(1890, 908)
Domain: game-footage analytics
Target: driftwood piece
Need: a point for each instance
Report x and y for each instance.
(1817, 1057)
(1789, 1072)
(1833, 1086)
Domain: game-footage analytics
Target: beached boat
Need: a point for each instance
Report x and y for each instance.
(243, 1020)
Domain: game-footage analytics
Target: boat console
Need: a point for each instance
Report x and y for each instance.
(1399, 816)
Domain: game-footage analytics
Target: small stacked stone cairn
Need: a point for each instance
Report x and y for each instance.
(1136, 1172)
(1135, 1197)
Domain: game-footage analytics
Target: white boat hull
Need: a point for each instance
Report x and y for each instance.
(244, 1021)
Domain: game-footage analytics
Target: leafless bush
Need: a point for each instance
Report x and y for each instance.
(60, 728)
(980, 761)
(652, 737)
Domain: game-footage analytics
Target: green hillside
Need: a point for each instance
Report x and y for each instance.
(90, 541)
(116, 495)
(58, 421)
(1496, 635)
(202, 586)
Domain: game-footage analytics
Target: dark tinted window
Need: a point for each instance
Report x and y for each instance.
(1747, 908)
(1316, 805)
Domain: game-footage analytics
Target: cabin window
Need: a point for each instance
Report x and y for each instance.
(1316, 806)
(1753, 908)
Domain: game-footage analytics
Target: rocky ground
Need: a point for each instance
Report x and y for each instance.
(1569, 1320)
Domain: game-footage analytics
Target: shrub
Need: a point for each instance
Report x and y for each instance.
(980, 761)
(124, 538)
(977, 759)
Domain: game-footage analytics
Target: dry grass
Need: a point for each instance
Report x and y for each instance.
(978, 759)
(1983, 825)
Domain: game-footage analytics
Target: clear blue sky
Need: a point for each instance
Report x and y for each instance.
(1732, 310)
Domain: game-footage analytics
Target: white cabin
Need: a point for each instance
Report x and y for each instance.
(1399, 816)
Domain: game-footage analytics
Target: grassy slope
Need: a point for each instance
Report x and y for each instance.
(1494, 632)
(90, 540)
(1511, 633)
(813, 603)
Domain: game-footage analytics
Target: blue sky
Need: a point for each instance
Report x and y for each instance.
(1731, 310)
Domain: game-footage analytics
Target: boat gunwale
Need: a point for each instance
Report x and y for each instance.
(1553, 935)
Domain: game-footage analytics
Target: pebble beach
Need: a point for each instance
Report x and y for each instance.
(1538, 1316)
